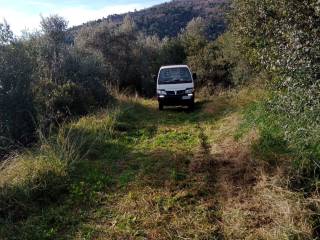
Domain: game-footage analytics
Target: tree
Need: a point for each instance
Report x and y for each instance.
(193, 37)
(52, 48)
(240, 71)
(148, 62)
(120, 49)
(6, 35)
(17, 122)
(205, 57)
(172, 52)
(70, 81)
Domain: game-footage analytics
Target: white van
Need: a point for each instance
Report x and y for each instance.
(175, 86)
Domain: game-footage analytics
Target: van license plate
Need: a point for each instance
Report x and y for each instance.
(186, 97)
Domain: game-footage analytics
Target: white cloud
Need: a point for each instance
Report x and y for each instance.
(19, 20)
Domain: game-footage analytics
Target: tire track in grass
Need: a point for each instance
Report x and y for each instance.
(203, 172)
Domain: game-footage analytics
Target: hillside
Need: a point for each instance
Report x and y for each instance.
(167, 19)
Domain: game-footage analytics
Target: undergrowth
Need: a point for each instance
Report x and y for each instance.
(132, 172)
(294, 157)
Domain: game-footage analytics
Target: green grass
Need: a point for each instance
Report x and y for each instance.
(128, 172)
(295, 156)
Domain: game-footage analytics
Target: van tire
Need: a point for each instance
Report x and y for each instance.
(160, 106)
(191, 105)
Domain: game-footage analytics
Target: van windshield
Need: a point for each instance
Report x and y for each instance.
(175, 75)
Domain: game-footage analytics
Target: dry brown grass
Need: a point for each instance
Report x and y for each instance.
(266, 212)
(228, 194)
(232, 99)
(207, 186)
(21, 170)
(255, 203)
(159, 214)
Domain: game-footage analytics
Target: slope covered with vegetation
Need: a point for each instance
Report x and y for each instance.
(168, 19)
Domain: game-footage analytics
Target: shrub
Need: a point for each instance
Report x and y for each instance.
(17, 121)
(55, 103)
(44, 79)
(282, 38)
(70, 80)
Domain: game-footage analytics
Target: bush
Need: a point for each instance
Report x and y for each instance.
(44, 80)
(215, 62)
(211, 67)
(238, 70)
(17, 122)
(282, 38)
(172, 52)
(57, 103)
(87, 70)
(69, 80)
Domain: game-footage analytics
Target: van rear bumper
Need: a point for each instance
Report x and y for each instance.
(173, 100)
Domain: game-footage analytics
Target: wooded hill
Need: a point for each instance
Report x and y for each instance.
(167, 19)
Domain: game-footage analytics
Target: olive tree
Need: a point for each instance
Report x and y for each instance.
(119, 48)
(17, 121)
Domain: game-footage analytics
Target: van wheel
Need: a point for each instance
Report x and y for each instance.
(160, 106)
(191, 105)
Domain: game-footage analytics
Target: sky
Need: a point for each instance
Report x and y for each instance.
(26, 14)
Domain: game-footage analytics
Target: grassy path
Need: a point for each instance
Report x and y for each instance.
(164, 186)
(173, 174)
(168, 179)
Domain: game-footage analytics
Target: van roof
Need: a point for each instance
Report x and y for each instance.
(174, 66)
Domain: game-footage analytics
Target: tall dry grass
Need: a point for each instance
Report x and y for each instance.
(41, 175)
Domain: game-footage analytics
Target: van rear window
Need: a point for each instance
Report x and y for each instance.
(175, 75)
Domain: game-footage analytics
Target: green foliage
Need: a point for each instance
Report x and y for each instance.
(87, 191)
(194, 36)
(167, 19)
(58, 102)
(51, 49)
(135, 45)
(120, 50)
(238, 71)
(208, 58)
(211, 67)
(6, 35)
(31, 198)
(282, 37)
(45, 80)
(131, 58)
(17, 121)
(87, 71)
(172, 52)
(71, 79)
(274, 146)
